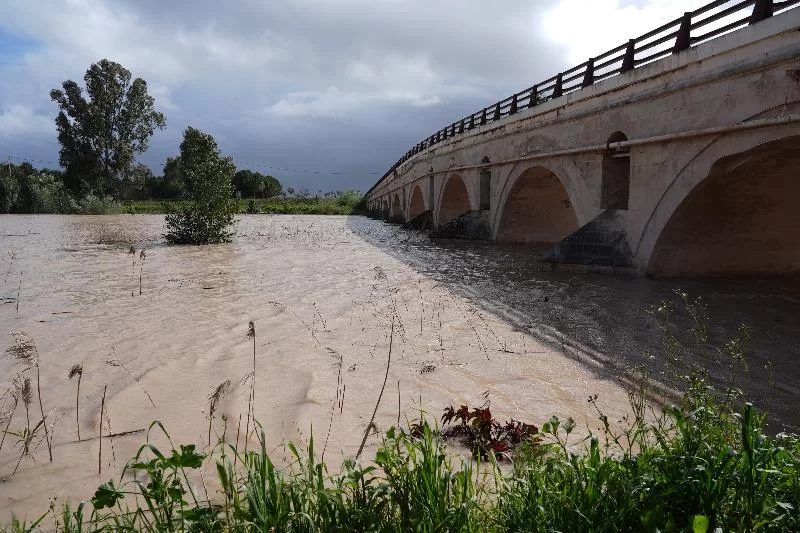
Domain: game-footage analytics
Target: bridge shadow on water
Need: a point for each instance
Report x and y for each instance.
(603, 321)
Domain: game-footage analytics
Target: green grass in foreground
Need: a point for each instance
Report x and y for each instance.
(332, 205)
(702, 465)
(700, 468)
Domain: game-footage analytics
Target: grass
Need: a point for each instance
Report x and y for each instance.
(697, 468)
(322, 205)
(704, 464)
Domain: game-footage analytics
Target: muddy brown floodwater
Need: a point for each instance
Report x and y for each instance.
(323, 293)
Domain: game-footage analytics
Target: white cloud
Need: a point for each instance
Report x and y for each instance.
(20, 121)
(335, 103)
(590, 27)
(385, 73)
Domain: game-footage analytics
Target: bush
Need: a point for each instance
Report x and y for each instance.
(96, 205)
(207, 174)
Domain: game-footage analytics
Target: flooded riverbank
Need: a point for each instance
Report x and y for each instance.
(323, 293)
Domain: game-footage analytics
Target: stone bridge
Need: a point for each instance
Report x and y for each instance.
(675, 154)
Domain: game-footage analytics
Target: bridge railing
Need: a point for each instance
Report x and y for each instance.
(712, 20)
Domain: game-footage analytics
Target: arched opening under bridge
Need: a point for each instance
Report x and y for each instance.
(742, 219)
(537, 210)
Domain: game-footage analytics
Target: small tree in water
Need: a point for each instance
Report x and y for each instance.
(207, 176)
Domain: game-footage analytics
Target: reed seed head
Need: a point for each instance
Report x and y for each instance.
(113, 362)
(23, 348)
(251, 330)
(131, 250)
(27, 391)
(76, 370)
(215, 397)
(247, 377)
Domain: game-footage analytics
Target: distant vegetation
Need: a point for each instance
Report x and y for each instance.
(102, 127)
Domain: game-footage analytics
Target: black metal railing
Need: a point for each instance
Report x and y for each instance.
(671, 38)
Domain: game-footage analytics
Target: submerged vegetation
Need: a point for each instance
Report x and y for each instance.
(208, 175)
(704, 464)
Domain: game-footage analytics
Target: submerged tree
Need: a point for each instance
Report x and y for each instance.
(207, 177)
(101, 135)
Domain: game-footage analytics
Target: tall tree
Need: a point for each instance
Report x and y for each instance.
(207, 176)
(101, 135)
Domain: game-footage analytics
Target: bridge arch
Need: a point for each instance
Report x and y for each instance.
(396, 209)
(731, 211)
(535, 208)
(416, 206)
(454, 199)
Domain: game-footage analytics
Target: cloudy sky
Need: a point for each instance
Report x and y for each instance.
(322, 94)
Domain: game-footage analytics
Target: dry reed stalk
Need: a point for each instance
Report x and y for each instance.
(248, 377)
(27, 441)
(77, 370)
(118, 363)
(251, 334)
(213, 401)
(44, 418)
(100, 449)
(321, 319)
(15, 393)
(238, 429)
(110, 435)
(19, 290)
(142, 257)
(27, 397)
(338, 362)
(422, 305)
(385, 377)
(24, 350)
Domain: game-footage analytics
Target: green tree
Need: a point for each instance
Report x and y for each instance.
(250, 184)
(272, 187)
(171, 185)
(101, 135)
(207, 176)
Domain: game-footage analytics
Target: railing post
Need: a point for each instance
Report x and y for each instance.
(513, 108)
(628, 62)
(588, 75)
(483, 117)
(558, 89)
(472, 121)
(461, 126)
(762, 10)
(534, 99)
(684, 39)
(496, 112)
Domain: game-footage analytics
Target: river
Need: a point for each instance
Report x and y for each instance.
(328, 297)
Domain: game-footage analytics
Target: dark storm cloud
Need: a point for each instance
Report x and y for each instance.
(340, 86)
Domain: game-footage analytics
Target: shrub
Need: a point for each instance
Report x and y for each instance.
(207, 174)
